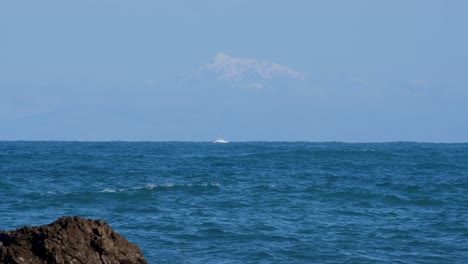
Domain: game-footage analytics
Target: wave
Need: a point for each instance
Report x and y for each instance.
(161, 187)
(321, 153)
(107, 190)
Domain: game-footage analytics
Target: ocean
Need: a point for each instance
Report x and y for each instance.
(251, 202)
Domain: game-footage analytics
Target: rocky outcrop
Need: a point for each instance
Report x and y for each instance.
(68, 240)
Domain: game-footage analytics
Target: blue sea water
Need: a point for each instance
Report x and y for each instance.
(253, 202)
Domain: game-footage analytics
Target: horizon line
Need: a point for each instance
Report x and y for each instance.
(232, 141)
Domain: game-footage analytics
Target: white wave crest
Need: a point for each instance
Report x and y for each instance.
(161, 186)
(107, 190)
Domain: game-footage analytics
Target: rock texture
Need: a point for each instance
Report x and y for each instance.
(68, 240)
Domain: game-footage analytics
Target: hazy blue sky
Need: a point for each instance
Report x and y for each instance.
(243, 70)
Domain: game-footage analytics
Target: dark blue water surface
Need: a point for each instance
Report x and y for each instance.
(253, 202)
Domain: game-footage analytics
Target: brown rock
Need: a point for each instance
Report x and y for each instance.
(68, 240)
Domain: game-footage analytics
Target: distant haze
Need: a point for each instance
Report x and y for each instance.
(367, 71)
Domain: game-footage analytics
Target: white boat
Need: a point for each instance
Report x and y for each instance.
(221, 140)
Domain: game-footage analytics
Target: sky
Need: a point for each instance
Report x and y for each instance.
(244, 70)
